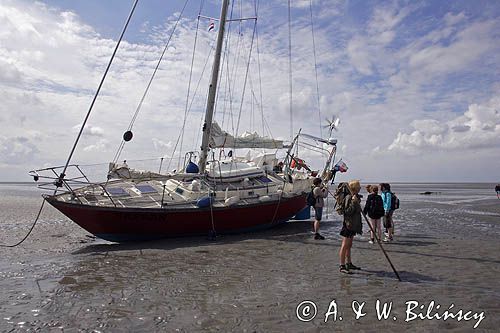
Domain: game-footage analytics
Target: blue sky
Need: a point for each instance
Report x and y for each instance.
(107, 17)
(415, 83)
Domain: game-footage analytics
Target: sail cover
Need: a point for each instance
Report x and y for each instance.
(220, 139)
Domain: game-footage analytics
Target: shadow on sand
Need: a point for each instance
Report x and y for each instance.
(405, 276)
(291, 231)
(412, 242)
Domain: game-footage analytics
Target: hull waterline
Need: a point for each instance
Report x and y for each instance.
(135, 224)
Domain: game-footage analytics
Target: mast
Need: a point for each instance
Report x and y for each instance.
(207, 126)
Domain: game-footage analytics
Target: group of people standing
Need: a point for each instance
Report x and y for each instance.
(376, 207)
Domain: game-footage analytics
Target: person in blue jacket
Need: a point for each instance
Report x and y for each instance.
(388, 221)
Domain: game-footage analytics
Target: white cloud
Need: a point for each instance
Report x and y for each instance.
(100, 146)
(386, 18)
(89, 130)
(160, 145)
(360, 58)
(478, 127)
(9, 72)
(17, 150)
(461, 128)
(467, 46)
(432, 127)
(366, 50)
(452, 19)
(321, 8)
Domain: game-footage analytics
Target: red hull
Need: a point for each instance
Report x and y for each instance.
(124, 224)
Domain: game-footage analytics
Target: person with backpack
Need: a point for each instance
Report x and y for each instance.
(388, 211)
(319, 193)
(374, 208)
(352, 225)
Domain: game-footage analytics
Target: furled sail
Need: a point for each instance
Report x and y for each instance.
(220, 139)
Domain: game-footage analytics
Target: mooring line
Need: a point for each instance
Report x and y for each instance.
(29, 232)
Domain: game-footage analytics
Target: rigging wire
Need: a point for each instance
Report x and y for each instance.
(246, 77)
(189, 83)
(231, 72)
(227, 87)
(264, 122)
(225, 55)
(228, 93)
(316, 70)
(206, 96)
(259, 72)
(232, 102)
(252, 108)
(290, 66)
(122, 144)
(62, 175)
(183, 128)
(234, 70)
(199, 132)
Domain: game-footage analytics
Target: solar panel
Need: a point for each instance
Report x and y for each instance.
(117, 191)
(146, 189)
(264, 179)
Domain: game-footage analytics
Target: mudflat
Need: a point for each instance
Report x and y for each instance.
(446, 250)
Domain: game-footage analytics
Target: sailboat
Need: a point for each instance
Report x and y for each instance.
(205, 198)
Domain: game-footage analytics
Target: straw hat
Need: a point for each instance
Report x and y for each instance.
(354, 185)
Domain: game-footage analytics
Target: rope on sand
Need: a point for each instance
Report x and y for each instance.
(29, 232)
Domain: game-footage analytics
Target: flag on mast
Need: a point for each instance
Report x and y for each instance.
(211, 26)
(340, 166)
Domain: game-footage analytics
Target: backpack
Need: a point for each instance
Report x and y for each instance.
(340, 193)
(311, 199)
(394, 202)
(376, 208)
(352, 221)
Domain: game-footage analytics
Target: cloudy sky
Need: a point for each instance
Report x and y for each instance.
(415, 83)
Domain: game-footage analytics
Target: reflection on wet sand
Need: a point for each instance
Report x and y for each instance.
(180, 282)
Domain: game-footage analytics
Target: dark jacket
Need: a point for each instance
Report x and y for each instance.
(352, 215)
(374, 206)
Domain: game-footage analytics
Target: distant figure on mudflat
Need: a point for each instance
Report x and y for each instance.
(497, 189)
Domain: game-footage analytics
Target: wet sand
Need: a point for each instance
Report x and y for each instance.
(61, 280)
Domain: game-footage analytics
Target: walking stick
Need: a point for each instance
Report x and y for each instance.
(381, 247)
(378, 240)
